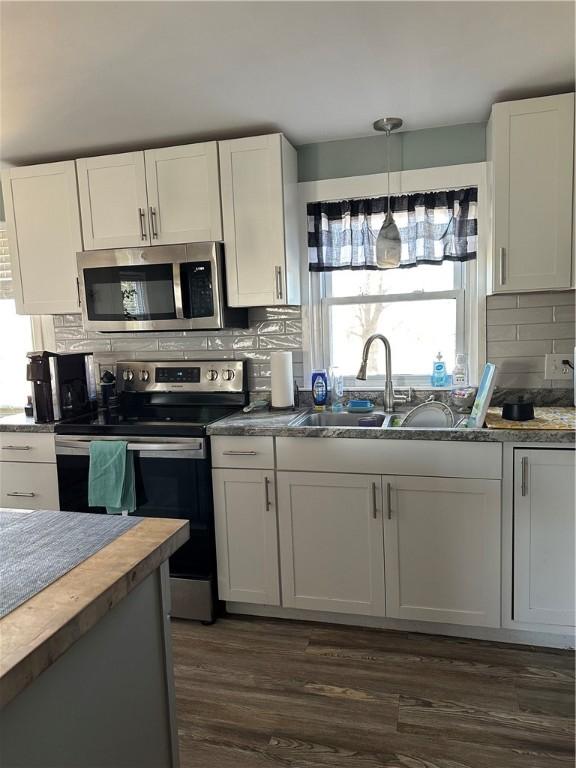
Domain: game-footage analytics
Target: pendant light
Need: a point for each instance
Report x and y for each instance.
(388, 244)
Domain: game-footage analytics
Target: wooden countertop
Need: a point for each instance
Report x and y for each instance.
(34, 635)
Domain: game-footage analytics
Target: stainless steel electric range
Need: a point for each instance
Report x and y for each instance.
(163, 411)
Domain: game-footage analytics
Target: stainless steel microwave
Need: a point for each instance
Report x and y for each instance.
(158, 288)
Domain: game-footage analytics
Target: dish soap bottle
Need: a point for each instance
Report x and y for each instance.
(439, 376)
(319, 389)
(460, 372)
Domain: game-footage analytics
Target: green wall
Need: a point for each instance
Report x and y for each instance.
(450, 145)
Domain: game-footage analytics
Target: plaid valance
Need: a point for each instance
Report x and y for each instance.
(434, 227)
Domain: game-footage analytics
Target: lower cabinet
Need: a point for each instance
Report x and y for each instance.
(25, 485)
(544, 503)
(442, 548)
(246, 535)
(332, 556)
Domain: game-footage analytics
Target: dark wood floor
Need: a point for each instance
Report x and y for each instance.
(255, 693)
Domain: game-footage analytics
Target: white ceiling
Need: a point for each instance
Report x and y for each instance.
(84, 77)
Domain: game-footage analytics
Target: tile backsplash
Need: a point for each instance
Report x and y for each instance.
(269, 328)
(521, 329)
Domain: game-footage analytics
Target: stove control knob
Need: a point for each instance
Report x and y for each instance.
(127, 374)
(228, 374)
(211, 374)
(144, 376)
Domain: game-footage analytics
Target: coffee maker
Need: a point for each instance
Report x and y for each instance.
(63, 385)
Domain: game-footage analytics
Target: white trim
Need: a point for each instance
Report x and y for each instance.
(402, 182)
(494, 634)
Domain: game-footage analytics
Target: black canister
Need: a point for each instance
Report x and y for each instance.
(518, 410)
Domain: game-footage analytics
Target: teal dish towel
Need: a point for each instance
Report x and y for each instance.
(111, 477)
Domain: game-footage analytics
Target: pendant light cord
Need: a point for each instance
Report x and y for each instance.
(388, 169)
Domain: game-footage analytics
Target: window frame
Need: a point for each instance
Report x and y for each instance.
(470, 277)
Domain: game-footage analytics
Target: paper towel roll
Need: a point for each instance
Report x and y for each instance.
(282, 380)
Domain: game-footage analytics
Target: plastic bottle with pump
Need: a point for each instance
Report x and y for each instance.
(439, 376)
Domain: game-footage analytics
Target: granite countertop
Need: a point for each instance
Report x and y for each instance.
(37, 632)
(19, 422)
(282, 425)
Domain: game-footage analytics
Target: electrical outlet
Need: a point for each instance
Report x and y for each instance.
(554, 370)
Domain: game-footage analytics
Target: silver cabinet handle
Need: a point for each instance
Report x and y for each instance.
(153, 223)
(267, 493)
(374, 502)
(524, 480)
(502, 266)
(17, 447)
(389, 500)
(278, 276)
(142, 218)
(21, 493)
(239, 453)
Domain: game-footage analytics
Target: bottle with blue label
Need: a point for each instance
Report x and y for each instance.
(319, 389)
(439, 376)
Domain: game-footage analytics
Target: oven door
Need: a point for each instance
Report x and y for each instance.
(173, 480)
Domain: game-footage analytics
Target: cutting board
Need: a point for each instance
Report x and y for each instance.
(544, 418)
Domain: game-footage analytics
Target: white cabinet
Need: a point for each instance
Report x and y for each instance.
(331, 542)
(246, 536)
(544, 536)
(530, 149)
(28, 486)
(44, 236)
(155, 197)
(113, 201)
(442, 545)
(259, 180)
(184, 194)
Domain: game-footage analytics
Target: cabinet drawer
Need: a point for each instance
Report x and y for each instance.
(26, 446)
(28, 486)
(427, 458)
(254, 452)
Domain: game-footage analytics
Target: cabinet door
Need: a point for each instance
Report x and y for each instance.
(544, 536)
(183, 194)
(28, 486)
(331, 547)
(253, 219)
(113, 201)
(442, 544)
(246, 536)
(44, 236)
(532, 146)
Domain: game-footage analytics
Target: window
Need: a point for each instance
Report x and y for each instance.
(420, 310)
(15, 340)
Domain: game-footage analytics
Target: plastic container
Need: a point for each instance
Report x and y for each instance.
(320, 389)
(336, 389)
(360, 406)
(439, 376)
(460, 372)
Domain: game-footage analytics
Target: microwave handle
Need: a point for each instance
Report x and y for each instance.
(177, 283)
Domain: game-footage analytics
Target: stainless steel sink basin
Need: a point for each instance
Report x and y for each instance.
(328, 419)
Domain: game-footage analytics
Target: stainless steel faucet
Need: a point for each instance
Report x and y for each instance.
(388, 388)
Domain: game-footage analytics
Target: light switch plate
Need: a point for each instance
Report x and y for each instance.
(554, 370)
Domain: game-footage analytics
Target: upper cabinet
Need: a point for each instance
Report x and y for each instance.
(156, 197)
(259, 182)
(113, 201)
(531, 150)
(44, 236)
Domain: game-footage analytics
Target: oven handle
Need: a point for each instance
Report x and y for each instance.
(153, 450)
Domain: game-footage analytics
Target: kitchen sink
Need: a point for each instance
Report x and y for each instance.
(328, 419)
